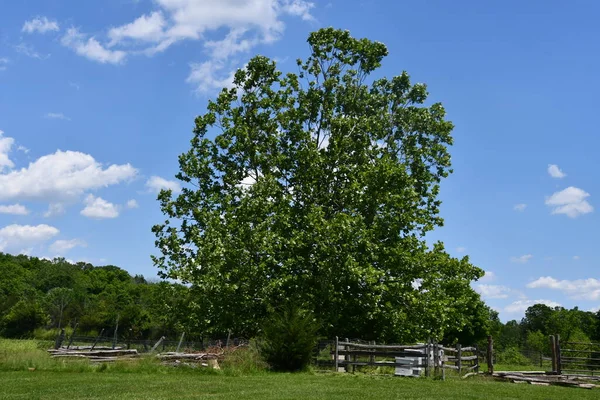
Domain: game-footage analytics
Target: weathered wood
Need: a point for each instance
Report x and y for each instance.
(180, 341)
(157, 344)
(459, 358)
(558, 356)
(490, 355)
(347, 357)
(73, 335)
(553, 349)
(465, 376)
(89, 353)
(580, 351)
(114, 343)
(381, 346)
(365, 353)
(337, 345)
(98, 338)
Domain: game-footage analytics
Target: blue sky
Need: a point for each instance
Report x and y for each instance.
(97, 100)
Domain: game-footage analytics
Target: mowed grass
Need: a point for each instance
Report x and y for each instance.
(145, 379)
(61, 385)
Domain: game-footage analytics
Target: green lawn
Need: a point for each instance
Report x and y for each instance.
(186, 385)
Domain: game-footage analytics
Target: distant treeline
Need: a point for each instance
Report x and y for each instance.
(39, 296)
(42, 295)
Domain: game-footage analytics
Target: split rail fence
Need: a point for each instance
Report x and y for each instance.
(429, 359)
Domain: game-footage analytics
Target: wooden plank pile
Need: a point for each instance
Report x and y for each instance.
(207, 359)
(97, 354)
(543, 379)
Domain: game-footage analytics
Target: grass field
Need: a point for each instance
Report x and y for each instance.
(145, 379)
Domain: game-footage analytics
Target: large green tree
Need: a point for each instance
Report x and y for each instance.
(318, 188)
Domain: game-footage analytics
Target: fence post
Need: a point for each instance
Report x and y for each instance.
(372, 356)
(436, 359)
(459, 358)
(476, 359)
(72, 335)
(180, 340)
(157, 344)
(59, 339)
(553, 348)
(558, 356)
(347, 356)
(129, 338)
(336, 363)
(490, 355)
(541, 359)
(114, 343)
(427, 366)
(97, 338)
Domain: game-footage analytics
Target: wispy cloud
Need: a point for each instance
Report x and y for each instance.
(90, 48)
(40, 25)
(53, 115)
(520, 207)
(3, 63)
(520, 306)
(521, 259)
(14, 209)
(156, 184)
(29, 51)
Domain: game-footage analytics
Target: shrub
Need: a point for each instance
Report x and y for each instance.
(288, 338)
(244, 360)
(512, 356)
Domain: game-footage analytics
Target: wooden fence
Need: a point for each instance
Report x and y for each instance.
(429, 359)
(574, 357)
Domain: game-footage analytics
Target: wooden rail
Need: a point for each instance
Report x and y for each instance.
(432, 358)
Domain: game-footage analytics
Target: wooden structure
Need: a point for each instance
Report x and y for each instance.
(569, 358)
(431, 358)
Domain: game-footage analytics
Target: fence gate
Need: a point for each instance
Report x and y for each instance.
(575, 357)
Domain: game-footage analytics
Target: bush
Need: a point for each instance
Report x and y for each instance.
(22, 319)
(512, 356)
(288, 339)
(244, 360)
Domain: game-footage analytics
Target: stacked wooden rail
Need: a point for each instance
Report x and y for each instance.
(99, 354)
(435, 358)
(546, 379)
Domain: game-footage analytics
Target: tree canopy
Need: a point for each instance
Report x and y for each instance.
(318, 187)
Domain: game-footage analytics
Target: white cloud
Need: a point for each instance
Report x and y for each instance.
(149, 28)
(62, 175)
(555, 172)
(156, 184)
(6, 144)
(63, 246)
(41, 25)
(29, 51)
(461, 249)
(243, 24)
(299, 8)
(22, 236)
(55, 209)
(576, 258)
(97, 207)
(519, 306)
(493, 291)
(583, 289)
(91, 48)
(521, 259)
(3, 63)
(14, 209)
(208, 76)
(488, 277)
(132, 204)
(570, 201)
(62, 116)
(520, 207)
